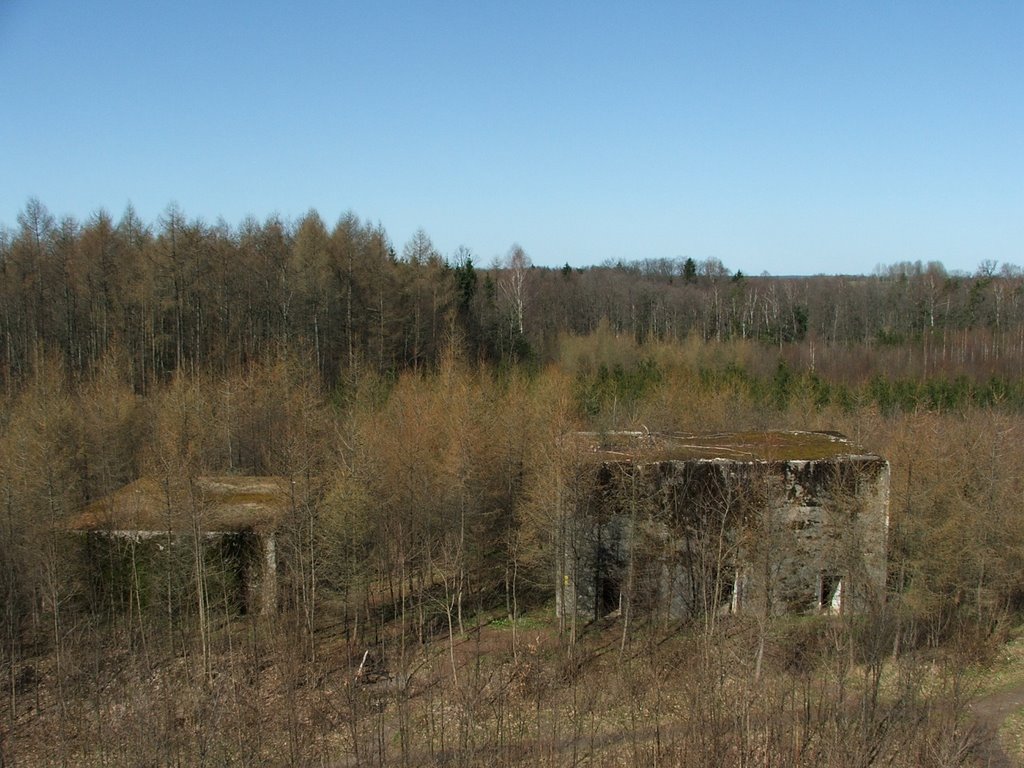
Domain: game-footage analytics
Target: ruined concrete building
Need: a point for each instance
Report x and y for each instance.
(678, 526)
(142, 533)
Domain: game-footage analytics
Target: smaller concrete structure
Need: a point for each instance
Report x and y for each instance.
(237, 514)
(683, 525)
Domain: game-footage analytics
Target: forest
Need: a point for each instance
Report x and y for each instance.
(417, 404)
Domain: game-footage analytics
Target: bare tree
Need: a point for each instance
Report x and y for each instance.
(513, 287)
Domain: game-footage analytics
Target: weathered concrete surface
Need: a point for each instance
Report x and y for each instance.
(771, 522)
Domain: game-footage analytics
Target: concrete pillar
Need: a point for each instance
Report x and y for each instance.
(261, 573)
(268, 576)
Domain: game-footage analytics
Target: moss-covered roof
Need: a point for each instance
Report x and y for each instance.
(771, 446)
(224, 503)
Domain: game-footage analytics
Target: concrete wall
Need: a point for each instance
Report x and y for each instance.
(240, 566)
(677, 539)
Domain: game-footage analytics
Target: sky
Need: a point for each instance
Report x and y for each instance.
(781, 137)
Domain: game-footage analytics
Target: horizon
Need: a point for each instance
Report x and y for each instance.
(987, 267)
(786, 139)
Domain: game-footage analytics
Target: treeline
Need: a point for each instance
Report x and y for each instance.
(182, 294)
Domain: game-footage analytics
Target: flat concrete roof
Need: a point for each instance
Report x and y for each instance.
(224, 503)
(767, 446)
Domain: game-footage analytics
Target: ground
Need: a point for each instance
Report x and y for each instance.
(479, 699)
(999, 712)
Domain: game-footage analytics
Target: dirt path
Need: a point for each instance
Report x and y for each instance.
(990, 712)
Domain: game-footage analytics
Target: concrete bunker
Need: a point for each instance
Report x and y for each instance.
(678, 526)
(142, 538)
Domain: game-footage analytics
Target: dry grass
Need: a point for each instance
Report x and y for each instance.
(763, 445)
(222, 503)
(1004, 676)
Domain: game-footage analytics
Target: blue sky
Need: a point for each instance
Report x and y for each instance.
(793, 138)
